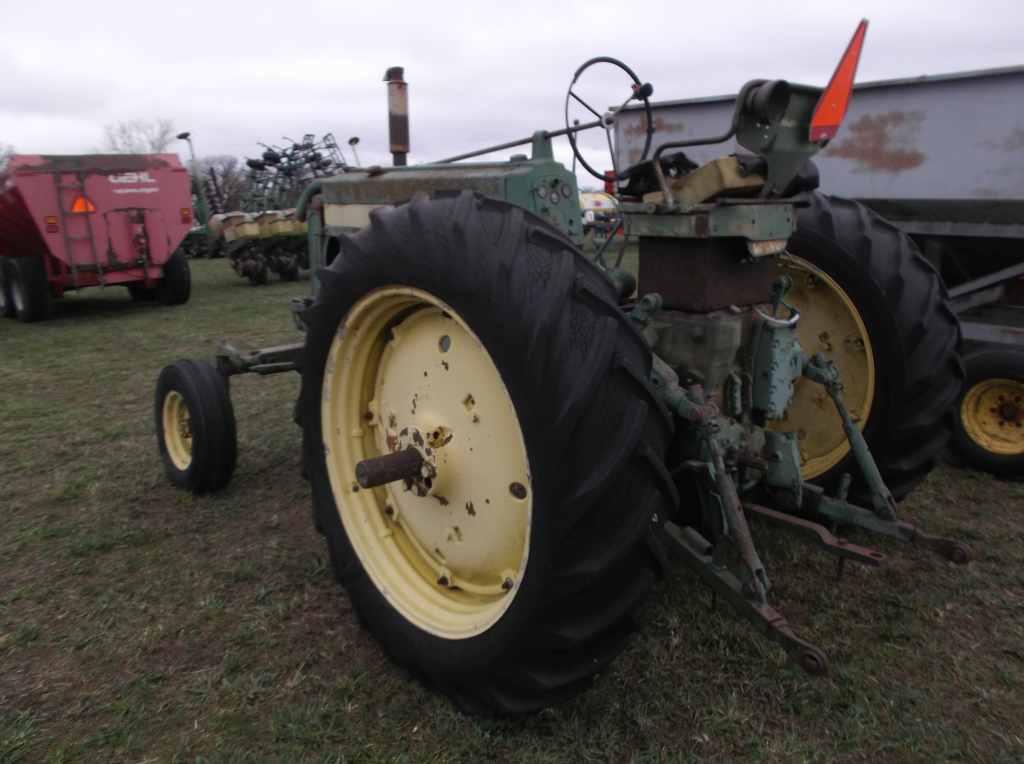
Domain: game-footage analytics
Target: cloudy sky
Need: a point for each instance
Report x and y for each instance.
(235, 73)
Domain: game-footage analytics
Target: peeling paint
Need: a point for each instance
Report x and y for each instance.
(638, 129)
(884, 142)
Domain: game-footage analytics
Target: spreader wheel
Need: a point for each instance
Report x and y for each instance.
(195, 426)
(989, 427)
(6, 298)
(176, 285)
(484, 449)
(30, 289)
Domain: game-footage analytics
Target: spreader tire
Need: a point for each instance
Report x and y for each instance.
(195, 426)
(176, 285)
(912, 331)
(989, 422)
(575, 372)
(30, 289)
(6, 298)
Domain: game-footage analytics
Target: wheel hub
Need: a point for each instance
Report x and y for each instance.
(830, 324)
(447, 542)
(177, 424)
(993, 416)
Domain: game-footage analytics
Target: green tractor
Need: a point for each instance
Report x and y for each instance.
(507, 443)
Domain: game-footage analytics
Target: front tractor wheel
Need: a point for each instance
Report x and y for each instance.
(500, 548)
(195, 426)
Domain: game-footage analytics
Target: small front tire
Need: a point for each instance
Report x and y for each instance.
(195, 426)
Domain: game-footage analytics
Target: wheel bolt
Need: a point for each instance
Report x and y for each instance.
(518, 490)
(507, 584)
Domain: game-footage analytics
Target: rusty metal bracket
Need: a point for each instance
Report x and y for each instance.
(263, 361)
(696, 553)
(818, 504)
(818, 533)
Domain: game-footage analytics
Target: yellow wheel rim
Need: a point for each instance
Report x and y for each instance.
(177, 430)
(830, 324)
(992, 413)
(451, 560)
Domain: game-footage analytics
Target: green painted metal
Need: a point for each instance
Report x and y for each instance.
(538, 184)
(755, 222)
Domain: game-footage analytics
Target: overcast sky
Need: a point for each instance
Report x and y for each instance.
(235, 73)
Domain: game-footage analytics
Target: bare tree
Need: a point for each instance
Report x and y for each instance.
(139, 136)
(225, 180)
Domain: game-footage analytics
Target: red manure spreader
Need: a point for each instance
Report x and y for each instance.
(69, 222)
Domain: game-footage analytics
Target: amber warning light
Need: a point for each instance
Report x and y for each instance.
(82, 204)
(831, 108)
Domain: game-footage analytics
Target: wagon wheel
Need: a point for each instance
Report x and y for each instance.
(506, 560)
(29, 288)
(989, 426)
(6, 298)
(195, 426)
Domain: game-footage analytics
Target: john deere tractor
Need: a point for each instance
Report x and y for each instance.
(507, 443)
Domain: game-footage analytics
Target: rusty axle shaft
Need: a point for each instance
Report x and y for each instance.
(400, 465)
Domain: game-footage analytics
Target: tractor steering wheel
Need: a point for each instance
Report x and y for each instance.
(641, 92)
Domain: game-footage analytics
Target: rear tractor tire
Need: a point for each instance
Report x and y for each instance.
(195, 426)
(989, 431)
(872, 303)
(176, 285)
(30, 289)
(507, 571)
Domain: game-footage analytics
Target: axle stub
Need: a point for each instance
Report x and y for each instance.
(400, 465)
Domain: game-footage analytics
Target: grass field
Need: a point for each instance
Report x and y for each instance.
(138, 623)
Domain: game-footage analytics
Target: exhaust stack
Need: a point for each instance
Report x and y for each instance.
(398, 114)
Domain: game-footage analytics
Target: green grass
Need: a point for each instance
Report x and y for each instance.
(141, 624)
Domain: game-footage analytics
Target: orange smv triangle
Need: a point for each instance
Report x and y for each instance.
(82, 204)
(831, 108)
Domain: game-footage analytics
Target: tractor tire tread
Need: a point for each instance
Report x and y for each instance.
(570, 359)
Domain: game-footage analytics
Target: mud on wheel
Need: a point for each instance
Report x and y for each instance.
(871, 302)
(508, 570)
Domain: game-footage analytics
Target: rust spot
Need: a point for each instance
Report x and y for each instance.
(882, 142)
(470, 509)
(443, 501)
(661, 125)
(392, 441)
(445, 364)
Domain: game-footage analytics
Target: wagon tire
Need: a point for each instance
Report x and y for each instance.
(30, 289)
(195, 426)
(575, 373)
(912, 332)
(6, 297)
(176, 285)
(989, 423)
